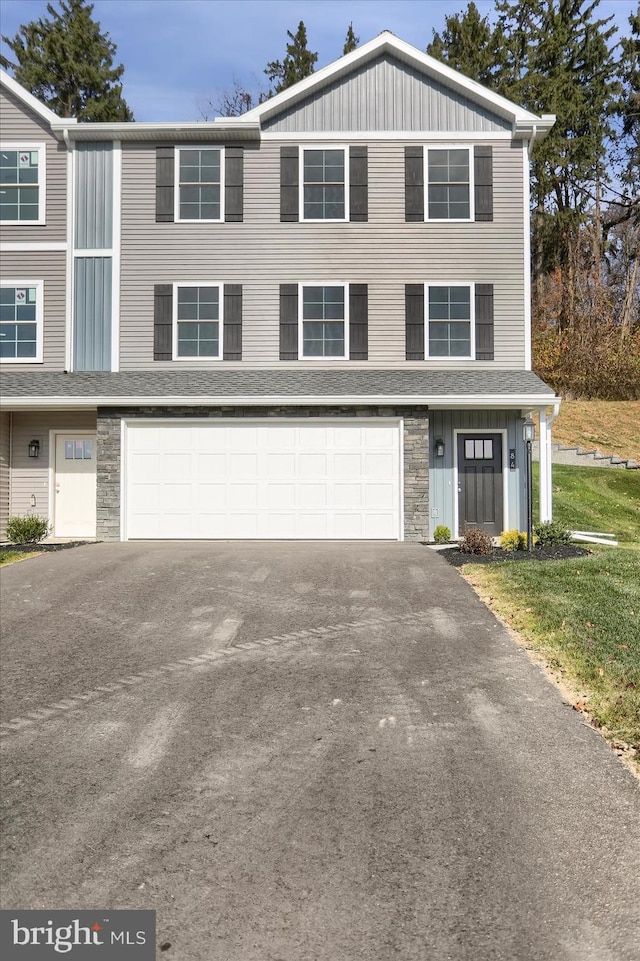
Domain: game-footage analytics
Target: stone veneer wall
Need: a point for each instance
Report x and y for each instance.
(416, 453)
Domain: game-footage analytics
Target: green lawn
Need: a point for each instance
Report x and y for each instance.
(583, 616)
(595, 499)
(10, 557)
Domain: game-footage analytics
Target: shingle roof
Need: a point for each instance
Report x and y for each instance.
(227, 385)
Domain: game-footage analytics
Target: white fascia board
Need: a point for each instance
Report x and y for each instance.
(131, 130)
(387, 42)
(435, 401)
(6, 80)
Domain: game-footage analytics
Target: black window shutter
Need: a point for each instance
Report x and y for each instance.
(289, 178)
(413, 184)
(232, 326)
(483, 182)
(165, 177)
(288, 321)
(414, 317)
(358, 184)
(358, 322)
(484, 321)
(162, 322)
(233, 184)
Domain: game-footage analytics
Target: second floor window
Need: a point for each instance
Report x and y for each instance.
(324, 321)
(324, 184)
(449, 321)
(21, 184)
(199, 193)
(448, 193)
(198, 322)
(21, 322)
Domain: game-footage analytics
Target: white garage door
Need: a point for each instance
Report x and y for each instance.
(263, 480)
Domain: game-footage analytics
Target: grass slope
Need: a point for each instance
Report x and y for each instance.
(611, 426)
(595, 499)
(583, 616)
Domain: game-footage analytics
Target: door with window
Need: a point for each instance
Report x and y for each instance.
(480, 484)
(74, 504)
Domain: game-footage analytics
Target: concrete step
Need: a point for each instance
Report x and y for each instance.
(579, 457)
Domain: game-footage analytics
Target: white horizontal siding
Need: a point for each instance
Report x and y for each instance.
(261, 253)
(30, 476)
(50, 267)
(18, 123)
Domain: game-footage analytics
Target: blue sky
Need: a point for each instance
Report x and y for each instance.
(180, 53)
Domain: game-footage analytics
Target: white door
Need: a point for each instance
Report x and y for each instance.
(280, 479)
(74, 493)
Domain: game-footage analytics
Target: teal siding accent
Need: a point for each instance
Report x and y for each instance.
(94, 196)
(92, 314)
(443, 491)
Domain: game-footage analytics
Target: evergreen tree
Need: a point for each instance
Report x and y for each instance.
(468, 44)
(67, 63)
(629, 109)
(298, 63)
(351, 41)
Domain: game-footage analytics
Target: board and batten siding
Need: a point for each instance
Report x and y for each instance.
(442, 490)
(385, 253)
(385, 94)
(50, 267)
(5, 466)
(30, 476)
(18, 123)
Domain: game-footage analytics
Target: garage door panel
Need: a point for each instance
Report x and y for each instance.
(271, 480)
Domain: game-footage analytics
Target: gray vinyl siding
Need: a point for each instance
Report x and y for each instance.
(19, 123)
(94, 196)
(385, 253)
(5, 449)
(385, 94)
(92, 313)
(50, 267)
(442, 490)
(30, 476)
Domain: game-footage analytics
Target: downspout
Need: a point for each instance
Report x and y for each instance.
(68, 347)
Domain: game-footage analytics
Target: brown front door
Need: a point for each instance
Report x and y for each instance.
(480, 492)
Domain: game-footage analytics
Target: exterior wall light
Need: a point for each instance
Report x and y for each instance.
(34, 448)
(439, 448)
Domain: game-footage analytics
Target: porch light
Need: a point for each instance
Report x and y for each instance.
(439, 448)
(528, 431)
(528, 435)
(34, 448)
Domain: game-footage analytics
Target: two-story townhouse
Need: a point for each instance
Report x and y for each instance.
(311, 321)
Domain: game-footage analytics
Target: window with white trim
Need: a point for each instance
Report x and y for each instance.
(324, 327)
(197, 321)
(22, 177)
(449, 320)
(199, 188)
(21, 321)
(324, 183)
(448, 179)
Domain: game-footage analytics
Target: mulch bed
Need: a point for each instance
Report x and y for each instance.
(30, 548)
(558, 552)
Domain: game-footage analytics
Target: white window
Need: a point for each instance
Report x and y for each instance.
(197, 321)
(323, 183)
(21, 321)
(450, 321)
(449, 184)
(22, 184)
(199, 183)
(323, 321)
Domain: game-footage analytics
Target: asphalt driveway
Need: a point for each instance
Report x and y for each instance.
(297, 752)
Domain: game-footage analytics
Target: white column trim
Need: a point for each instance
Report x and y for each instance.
(115, 259)
(526, 200)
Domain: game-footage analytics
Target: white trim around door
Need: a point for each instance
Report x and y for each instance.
(505, 472)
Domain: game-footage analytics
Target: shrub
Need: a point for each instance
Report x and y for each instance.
(513, 540)
(27, 529)
(550, 533)
(442, 534)
(476, 541)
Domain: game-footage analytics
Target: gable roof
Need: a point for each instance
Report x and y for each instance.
(523, 122)
(6, 80)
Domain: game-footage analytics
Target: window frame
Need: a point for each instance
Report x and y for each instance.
(174, 321)
(301, 320)
(427, 184)
(39, 321)
(448, 359)
(323, 220)
(41, 148)
(176, 208)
